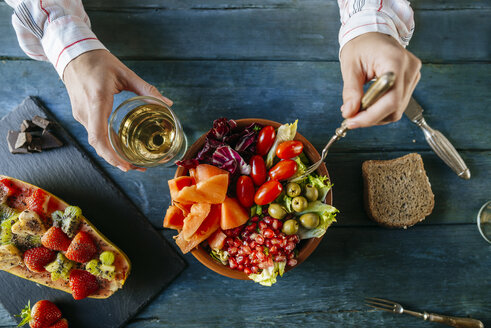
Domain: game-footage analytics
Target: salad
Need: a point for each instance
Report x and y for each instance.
(238, 203)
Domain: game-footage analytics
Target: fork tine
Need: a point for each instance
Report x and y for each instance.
(380, 308)
(381, 300)
(387, 306)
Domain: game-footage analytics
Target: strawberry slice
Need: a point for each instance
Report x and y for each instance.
(9, 188)
(37, 258)
(56, 239)
(83, 284)
(82, 248)
(38, 202)
(43, 314)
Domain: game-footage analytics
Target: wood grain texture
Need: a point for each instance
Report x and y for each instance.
(297, 31)
(412, 267)
(69, 174)
(286, 91)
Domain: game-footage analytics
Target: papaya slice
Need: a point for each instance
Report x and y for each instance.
(217, 240)
(177, 184)
(204, 172)
(233, 214)
(38, 203)
(185, 208)
(174, 218)
(195, 218)
(215, 188)
(206, 229)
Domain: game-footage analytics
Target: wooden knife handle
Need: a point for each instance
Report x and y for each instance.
(454, 321)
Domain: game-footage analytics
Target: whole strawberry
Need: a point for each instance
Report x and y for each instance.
(82, 284)
(82, 248)
(37, 258)
(43, 314)
(56, 239)
(63, 323)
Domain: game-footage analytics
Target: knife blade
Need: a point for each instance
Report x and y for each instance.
(437, 141)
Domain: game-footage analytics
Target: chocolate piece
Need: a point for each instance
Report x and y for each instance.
(23, 140)
(42, 122)
(35, 145)
(11, 140)
(28, 126)
(50, 141)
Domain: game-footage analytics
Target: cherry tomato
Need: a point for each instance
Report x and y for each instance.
(268, 192)
(265, 140)
(289, 149)
(258, 170)
(285, 169)
(245, 191)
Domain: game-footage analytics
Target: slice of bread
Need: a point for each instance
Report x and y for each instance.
(397, 192)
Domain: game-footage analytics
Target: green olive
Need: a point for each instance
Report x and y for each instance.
(309, 220)
(311, 192)
(290, 227)
(299, 203)
(276, 211)
(293, 189)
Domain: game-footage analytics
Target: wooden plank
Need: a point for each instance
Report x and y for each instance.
(301, 31)
(69, 174)
(307, 90)
(435, 268)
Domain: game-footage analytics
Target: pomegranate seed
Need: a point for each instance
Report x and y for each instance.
(292, 262)
(275, 241)
(283, 242)
(273, 250)
(254, 269)
(237, 243)
(268, 220)
(247, 271)
(260, 255)
(255, 218)
(240, 267)
(268, 233)
(229, 241)
(262, 225)
(245, 235)
(290, 247)
(268, 243)
(252, 227)
(260, 239)
(259, 248)
(280, 258)
(232, 263)
(291, 255)
(253, 244)
(276, 224)
(247, 250)
(239, 259)
(232, 250)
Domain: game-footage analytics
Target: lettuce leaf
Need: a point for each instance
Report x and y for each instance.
(268, 276)
(220, 255)
(327, 215)
(301, 168)
(285, 132)
(322, 184)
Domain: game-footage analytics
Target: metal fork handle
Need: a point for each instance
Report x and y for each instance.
(453, 321)
(444, 149)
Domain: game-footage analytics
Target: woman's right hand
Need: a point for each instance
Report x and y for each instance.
(92, 79)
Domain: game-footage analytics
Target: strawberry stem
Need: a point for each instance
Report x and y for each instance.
(25, 314)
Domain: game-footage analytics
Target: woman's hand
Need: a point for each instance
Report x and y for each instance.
(366, 57)
(92, 79)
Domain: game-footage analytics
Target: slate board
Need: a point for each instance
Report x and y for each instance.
(68, 173)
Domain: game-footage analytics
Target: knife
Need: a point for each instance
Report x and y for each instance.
(437, 141)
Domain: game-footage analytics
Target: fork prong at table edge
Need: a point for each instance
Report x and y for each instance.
(388, 306)
(379, 308)
(380, 300)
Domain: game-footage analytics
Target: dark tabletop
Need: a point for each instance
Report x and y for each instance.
(278, 59)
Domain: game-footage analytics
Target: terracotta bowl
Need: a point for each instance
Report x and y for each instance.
(306, 247)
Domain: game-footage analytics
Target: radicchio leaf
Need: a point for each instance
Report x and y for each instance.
(222, 127)
(228, 159)
(188, 163)
(208, 149)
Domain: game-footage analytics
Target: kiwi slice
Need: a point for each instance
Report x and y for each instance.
(7, 212)
(60, 267)
(102, 267)
(6, 228)
(25, 242)
(71, 220)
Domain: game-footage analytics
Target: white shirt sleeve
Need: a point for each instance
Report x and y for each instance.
(392, 17)
(54, 30)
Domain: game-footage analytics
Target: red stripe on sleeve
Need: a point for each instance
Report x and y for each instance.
(71, 44)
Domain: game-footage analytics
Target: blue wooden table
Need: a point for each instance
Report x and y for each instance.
(277, 59)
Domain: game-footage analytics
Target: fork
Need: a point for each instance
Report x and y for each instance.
(391, 306)
(378, 88)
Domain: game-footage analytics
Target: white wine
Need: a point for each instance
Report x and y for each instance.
(149, 136)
